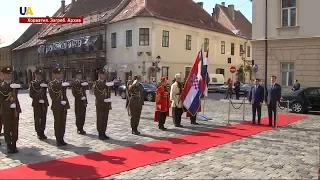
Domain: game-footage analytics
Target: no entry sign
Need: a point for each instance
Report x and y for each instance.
(233, 69)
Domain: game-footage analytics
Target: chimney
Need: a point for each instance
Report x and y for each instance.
(73, 1)
(214, 16)
(63, 6)
(231, 11)
(223, 4)
(200, 4)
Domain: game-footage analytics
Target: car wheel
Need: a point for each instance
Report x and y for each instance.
(123, 95)
(297, 107)
(150, 97)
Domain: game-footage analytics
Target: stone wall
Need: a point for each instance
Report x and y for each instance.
(304, 53)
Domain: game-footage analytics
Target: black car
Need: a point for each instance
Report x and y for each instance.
(303, 100)
(149, 91)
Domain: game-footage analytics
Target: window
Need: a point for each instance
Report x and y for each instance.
(188, 42)
(187, 71)
(223, 47)
(248, 51)
(165, 38)
(241, 49)
(128, 38)
(144, 36)
(206, 44)
(289, 13)
(312, 92)
(229, 60)
(165, 71)
(287, 74)
(113, 40)
(232, 49)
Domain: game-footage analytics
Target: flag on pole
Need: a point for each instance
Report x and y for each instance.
(204, 73)
(191, 92)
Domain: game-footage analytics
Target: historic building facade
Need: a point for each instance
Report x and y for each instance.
(293, 50)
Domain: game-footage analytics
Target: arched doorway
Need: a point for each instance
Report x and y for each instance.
(14, 76)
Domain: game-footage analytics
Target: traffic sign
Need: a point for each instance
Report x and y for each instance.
(255, 68)
(233, 69)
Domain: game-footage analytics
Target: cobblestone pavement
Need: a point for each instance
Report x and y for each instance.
(287, 153)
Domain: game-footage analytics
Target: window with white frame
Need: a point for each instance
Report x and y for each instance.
(287, 74)
(187, 71)
(289, 13)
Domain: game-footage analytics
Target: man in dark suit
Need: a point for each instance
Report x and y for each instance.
(273, 96)
(256, 99)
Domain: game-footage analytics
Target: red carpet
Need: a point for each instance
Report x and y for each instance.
(106, 163)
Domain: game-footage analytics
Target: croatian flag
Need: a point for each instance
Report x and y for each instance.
(204, 73)
(191, 92)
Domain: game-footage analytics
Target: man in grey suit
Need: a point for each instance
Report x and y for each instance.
(273, 96)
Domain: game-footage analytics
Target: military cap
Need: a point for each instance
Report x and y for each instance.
(56, 70)
(78, 71)
(38, 71)
(6, 70)
(101, 71)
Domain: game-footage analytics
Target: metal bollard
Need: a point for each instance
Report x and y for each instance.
(229, 111)
(287, 118)
(244, 109)
(276, 120)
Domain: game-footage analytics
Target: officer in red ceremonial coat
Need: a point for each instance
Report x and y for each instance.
(162, 104)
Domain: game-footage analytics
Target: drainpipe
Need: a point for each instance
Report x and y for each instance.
(266, 49)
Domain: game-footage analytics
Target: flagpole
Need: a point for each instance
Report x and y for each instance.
(203, 117)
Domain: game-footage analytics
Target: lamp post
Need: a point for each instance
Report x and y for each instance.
(243, 57)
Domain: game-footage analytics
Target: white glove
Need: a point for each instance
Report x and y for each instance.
(84, 84)
(15, 86)
(63, 102)
(41, 101)
(43, 85)
(83, 98)
(13, 106)
(109, 83)
(107, 100)
(65, 84)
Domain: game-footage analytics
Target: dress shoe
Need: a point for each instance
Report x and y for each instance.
(102, 138)
(135, 132)
(179, 126)
(42, 137)
(61, 143)
(82, 132)
(162, 128)
(195, 123)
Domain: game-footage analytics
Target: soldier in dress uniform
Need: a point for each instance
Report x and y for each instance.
(102, 91)
(60, 105)
(38, 93)
(10, 109)
(80, 101)
(162, 104)
(128, 84)
(1, 80)
(176, 102)
(135, 104)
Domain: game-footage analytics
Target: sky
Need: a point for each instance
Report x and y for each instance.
(11, 29)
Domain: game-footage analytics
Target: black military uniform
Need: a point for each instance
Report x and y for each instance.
(10, 110)
(38, 93)
(80, 102)
(102, 91)
(59, 107)
(135, 104)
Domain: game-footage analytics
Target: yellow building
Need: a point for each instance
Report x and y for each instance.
(293, 41)
(5, 56)
(146, 35)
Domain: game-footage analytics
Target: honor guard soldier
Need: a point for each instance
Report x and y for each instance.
(162, 104)
(80, 101)
(135, 104)
(60, 105)
(38, 93)
(10, 110)
(175, 98)
(1, 80)
(102, 91)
